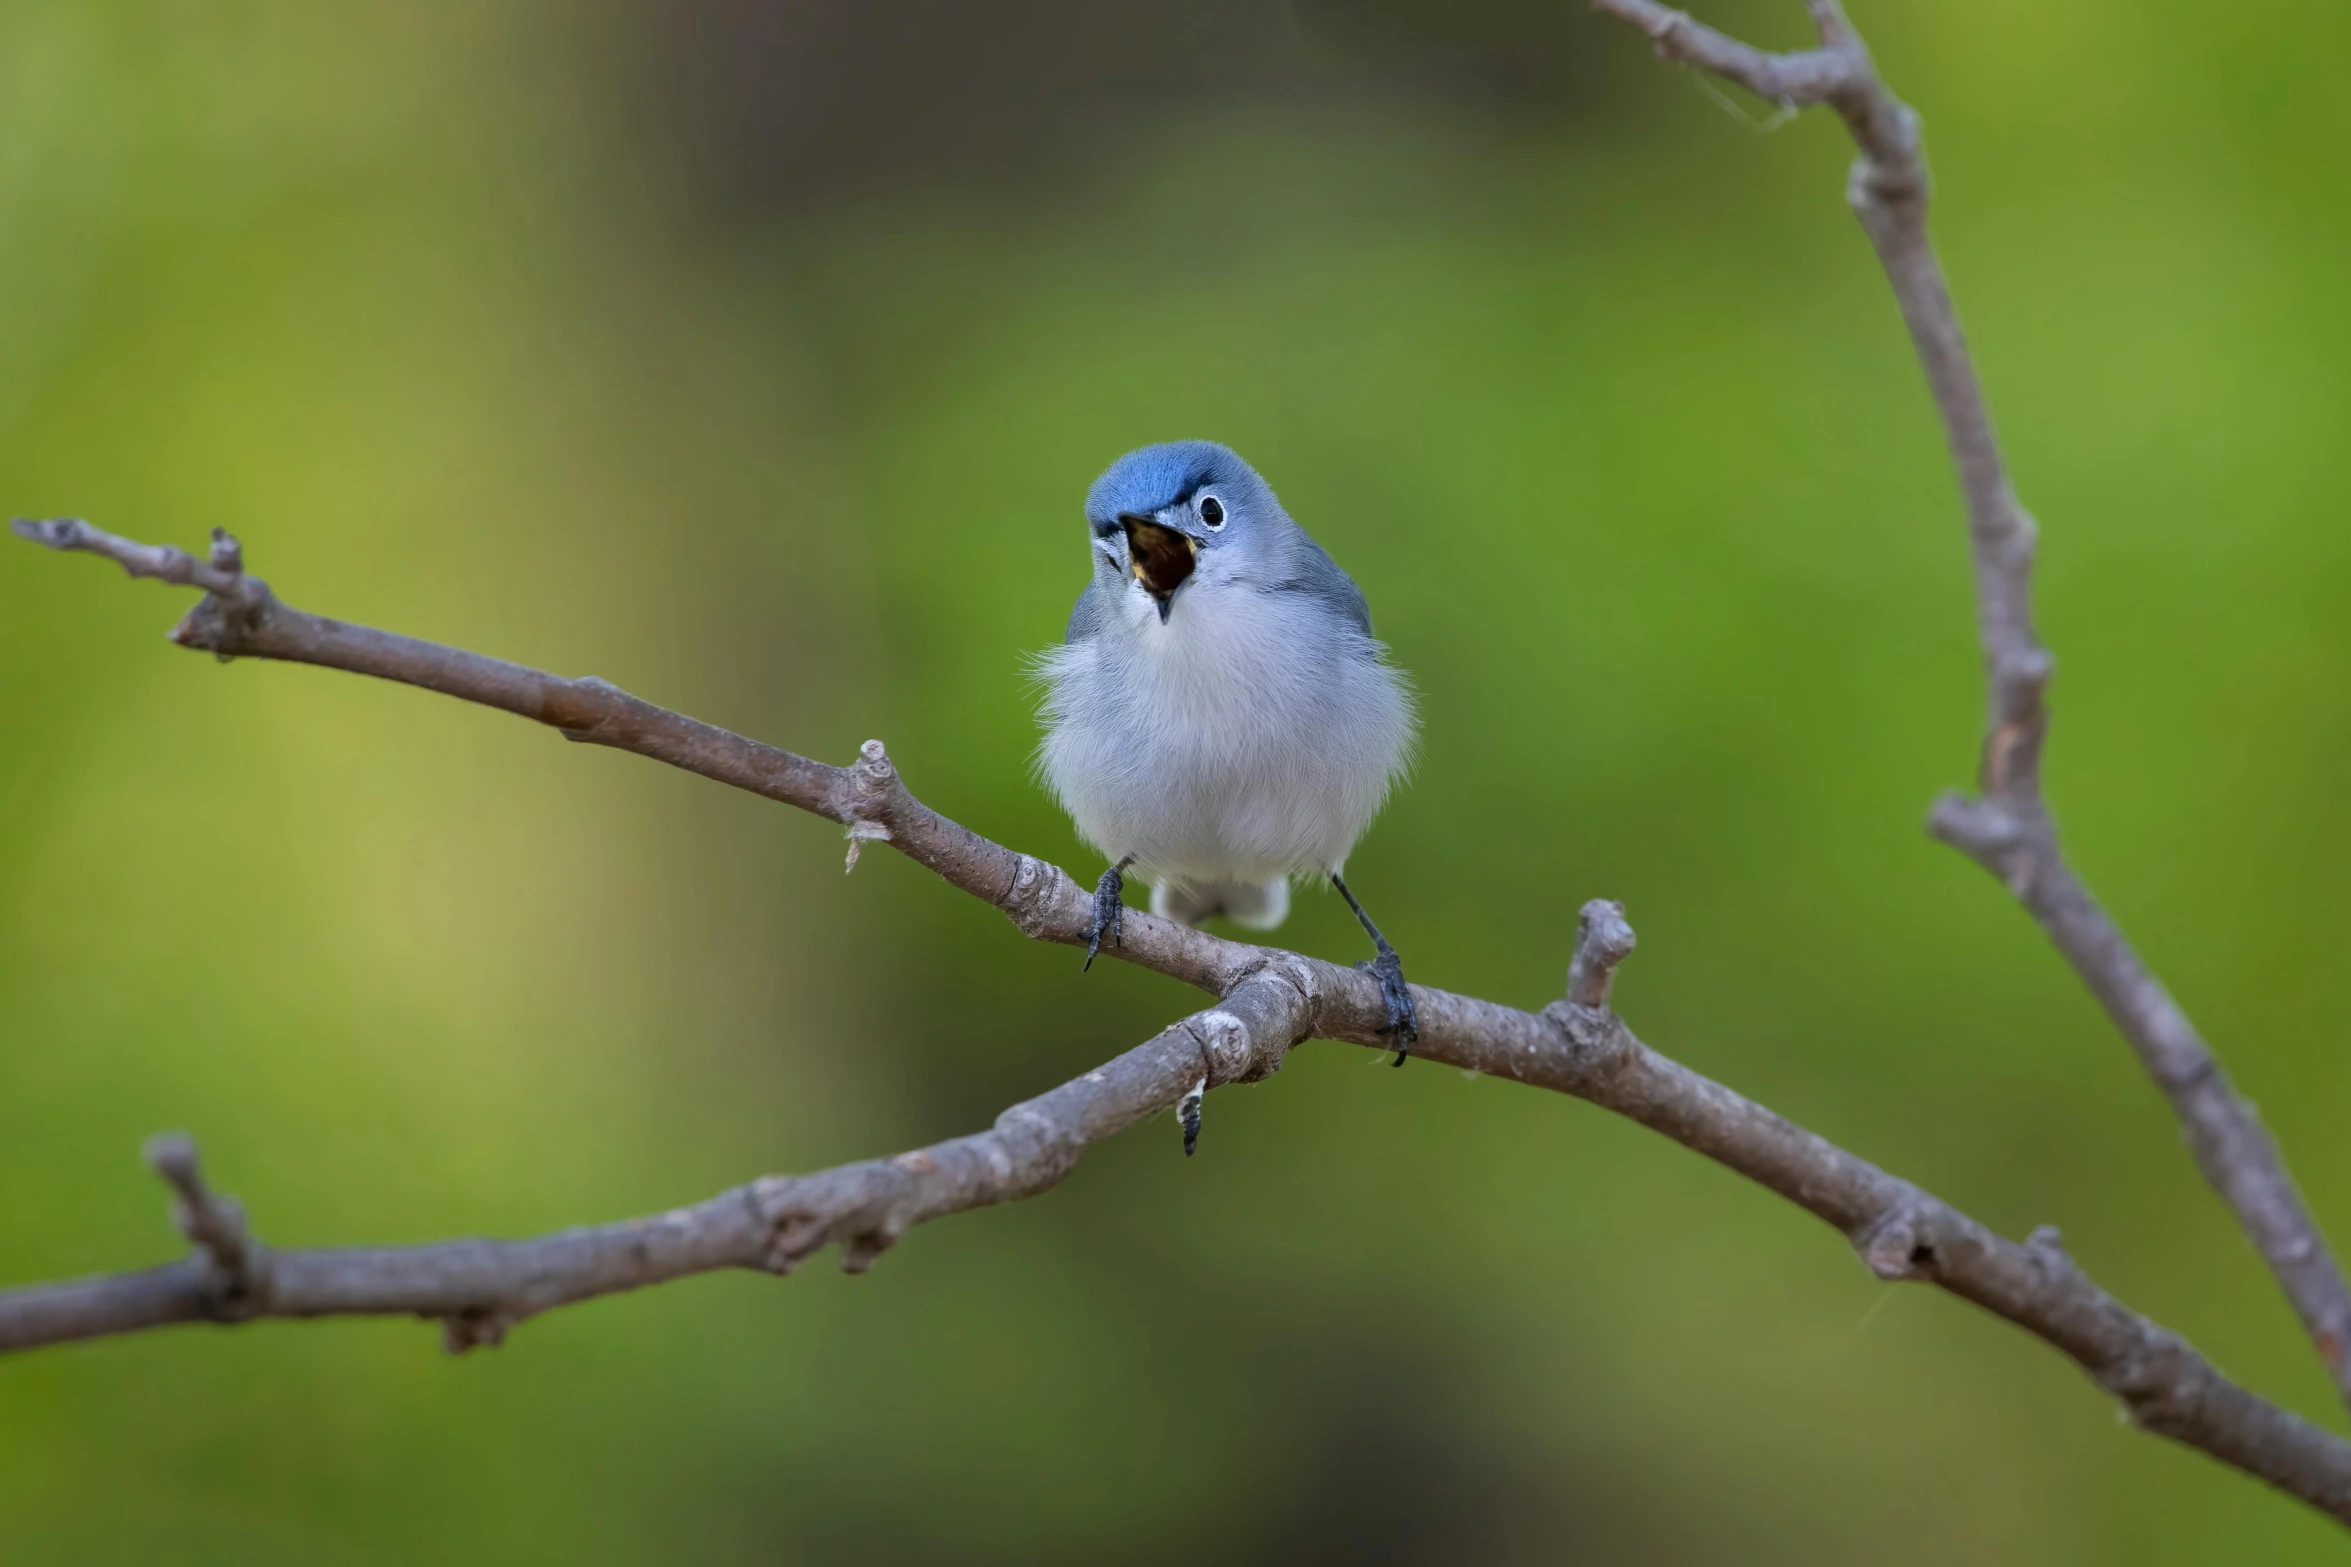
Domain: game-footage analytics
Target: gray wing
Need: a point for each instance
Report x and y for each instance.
(1087, 615)
(1316, 576)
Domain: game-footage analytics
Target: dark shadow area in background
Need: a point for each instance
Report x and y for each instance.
(1380, 1457)
(780, 106)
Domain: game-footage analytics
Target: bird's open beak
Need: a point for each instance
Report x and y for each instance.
(1161, 559)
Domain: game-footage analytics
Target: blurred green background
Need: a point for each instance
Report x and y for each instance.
(756, 357)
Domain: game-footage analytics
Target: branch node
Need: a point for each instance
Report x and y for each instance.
(859, 1251)
(1661, 33)
(803, 1213)
(865, 796)
(791, 1239)
(1883, 182)
(214, 1225)
(476, 1327)
(1976, 827)
(582, 723)
(1603, 940)
(1893, 1247)
(1227, 1053)
(2046, 1246)
(57, 533)
(222, 620)
(1038, 891)
(1835, 28)
(1597, 1041)
(2022, 674)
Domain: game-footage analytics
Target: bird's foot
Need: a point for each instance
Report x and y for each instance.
(1109, 910)
(1403, 1026)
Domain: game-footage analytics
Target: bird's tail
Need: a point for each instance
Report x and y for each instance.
(1251, 905)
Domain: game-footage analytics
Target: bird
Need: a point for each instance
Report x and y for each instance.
(1219, 718)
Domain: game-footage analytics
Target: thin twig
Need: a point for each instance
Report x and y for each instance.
(2007, 829)
(1270, 1000)
(1602, 941)
(235, 1272)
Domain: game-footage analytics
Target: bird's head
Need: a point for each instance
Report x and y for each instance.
(1165, 515)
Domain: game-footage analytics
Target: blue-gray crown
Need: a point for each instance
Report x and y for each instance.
(1151, 478)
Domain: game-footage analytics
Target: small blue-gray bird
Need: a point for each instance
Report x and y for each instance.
(1219, 718)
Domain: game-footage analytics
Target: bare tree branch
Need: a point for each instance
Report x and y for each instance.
(1271, 999)
(2007, 829)
(480, 1288)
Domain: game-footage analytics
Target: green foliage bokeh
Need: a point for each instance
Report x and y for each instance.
(1614, 422)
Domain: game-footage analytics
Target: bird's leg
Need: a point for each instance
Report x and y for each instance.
(1109, 909)
(1403, 1023)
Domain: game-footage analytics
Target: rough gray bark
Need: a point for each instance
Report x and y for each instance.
(2007, 827)
(1269, 1000)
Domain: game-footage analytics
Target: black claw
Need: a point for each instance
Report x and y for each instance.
(1188, 1112)
(1109, 909)
(1403, 1026)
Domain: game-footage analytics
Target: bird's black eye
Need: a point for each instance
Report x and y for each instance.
(1212, 511)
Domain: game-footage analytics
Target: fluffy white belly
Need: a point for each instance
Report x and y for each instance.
(1246, 739)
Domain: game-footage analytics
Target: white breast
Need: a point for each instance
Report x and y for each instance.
(1252, 736)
